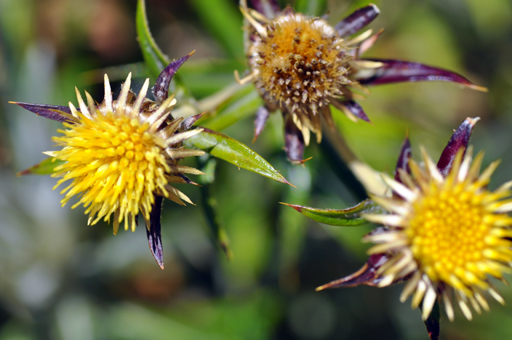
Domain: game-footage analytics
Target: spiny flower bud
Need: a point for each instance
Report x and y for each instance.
(301, 62)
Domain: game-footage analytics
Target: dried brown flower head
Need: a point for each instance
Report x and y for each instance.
(301, 62)
(301, 65)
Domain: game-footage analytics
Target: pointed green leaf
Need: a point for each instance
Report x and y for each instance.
(44, 168)
(155, 60)
(350, 217)
(208, 165)
(234, 152)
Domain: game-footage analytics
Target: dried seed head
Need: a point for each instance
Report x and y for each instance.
(299, 64)
(302, 55)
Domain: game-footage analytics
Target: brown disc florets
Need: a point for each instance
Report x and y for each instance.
(300, 61)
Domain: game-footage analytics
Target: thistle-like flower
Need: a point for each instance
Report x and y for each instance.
(302, 65)
(119, 155)
(446, 234)
(122, 156)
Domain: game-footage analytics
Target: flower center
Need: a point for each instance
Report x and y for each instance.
(302, 60)
(448, 232)
(116, 163)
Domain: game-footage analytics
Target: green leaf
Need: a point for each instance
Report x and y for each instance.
(234, 152)
(350, 217)
(44, 168)
(209, 204)
(155, 60)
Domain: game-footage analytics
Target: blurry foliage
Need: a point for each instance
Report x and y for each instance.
(60, 279)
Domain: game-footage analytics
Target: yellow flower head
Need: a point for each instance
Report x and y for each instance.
(446, 235)
(120, 154)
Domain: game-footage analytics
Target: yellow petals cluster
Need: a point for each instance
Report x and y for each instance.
(119, 155)
(449, 234)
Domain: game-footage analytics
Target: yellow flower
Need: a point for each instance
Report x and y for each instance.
(121, 154)
(446, 235)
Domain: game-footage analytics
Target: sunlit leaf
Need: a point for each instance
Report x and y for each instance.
(350, 217)
(46, 167)
(234, 152)
(155, 60)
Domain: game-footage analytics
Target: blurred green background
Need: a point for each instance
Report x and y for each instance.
(62, 279)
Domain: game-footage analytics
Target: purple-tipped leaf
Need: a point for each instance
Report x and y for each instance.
(161, 88)
(189, 121)
(460, 139)
(293, 141)
(357, 20)
(367, 43)
(262, 116)
(399, 71)
(153, 231)
(367, 275)
(187, 180)
(53, 112)
(269, 8)
(403, 159)
(350, 107)
(432, 322)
